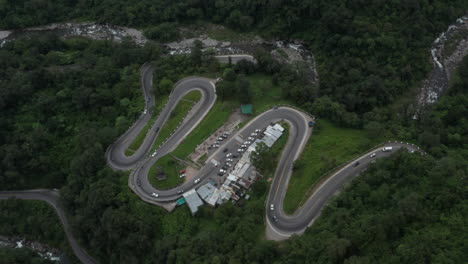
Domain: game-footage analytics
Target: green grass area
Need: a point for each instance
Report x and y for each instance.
(136, 143)
(226, 34)
(264, 93)
(176, 116)
(328, 147)
(212, 121)
(171, 168)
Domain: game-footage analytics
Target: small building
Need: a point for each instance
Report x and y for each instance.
(246, 109)
(206, 190)
(193, 201)
(214, 199)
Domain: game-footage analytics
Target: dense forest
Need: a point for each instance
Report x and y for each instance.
(369, 52)
(62, 102)
(380, 218)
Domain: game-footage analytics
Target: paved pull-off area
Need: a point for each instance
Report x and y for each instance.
(279, 225)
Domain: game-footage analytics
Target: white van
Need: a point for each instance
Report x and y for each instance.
(387, 149)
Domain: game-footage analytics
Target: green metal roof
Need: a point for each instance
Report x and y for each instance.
(246, 109)
(181, 201)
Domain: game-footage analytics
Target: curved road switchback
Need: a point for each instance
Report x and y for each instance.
(52, 198)
(279, 225)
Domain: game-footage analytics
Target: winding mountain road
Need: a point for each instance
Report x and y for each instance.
(279, 224)
(52, 198)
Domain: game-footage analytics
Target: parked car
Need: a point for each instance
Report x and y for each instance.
(235, 156)
(254, 134)
(225, 150)
(182, 171)
(197, 180)
(182, 175)
(387, 149)
(258, 130)
(356, 164)
(250, 138)
(220, 138)
(228, 155)
(229, 160)
(373, 155)
(154, 154)
(228, 164)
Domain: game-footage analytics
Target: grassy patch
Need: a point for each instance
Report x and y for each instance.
(225, 34)
(170, 167)
(141, 136)
(264, 93)
(328, 147)
(212, 121)
(177, 115)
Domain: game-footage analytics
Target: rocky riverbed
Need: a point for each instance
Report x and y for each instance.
(294, 53)
(447, 51)
(42, 250)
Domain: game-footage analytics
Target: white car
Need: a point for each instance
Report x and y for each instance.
(155, 195)
(240, 150)
(229, 160)
(197, 180)
(228, 164)
(182, 175)
(216, 146)
(272, 207)
(254, 134)
(372, 155)
(250, 138)
(154, 154)
(220, 139)
(247, 142)
(257, 130)
(387, 149)
(222, 171)
(228, 155)
(144, 112)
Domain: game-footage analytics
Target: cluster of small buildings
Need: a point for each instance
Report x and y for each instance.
(239, 180)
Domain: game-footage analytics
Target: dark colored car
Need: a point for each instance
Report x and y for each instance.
(225, 150)
(357, 163)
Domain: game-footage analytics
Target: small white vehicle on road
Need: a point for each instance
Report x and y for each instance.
(154, 154)
(272, 207)
(387, 149)
(155, 195)
(372, 155)
(197, 180)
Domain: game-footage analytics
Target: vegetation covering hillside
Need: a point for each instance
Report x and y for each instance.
(369, 52)
(62, 102)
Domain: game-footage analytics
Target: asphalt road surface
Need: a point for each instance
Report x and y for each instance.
(52, 198)
(278, 222)
(279, 225)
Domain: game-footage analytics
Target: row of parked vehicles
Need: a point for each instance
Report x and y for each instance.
(219, 140)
